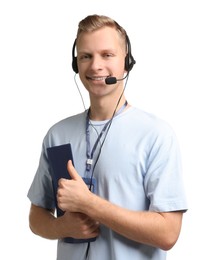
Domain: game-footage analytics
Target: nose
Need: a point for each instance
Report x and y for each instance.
(96, 62)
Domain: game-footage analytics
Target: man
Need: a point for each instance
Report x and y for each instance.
(130, 157)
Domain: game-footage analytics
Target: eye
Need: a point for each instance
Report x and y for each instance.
(84, 57)
(108, 55)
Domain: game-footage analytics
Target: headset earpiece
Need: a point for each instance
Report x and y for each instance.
(74, 65)
(74, 59)
(129, 59)
(129, 62)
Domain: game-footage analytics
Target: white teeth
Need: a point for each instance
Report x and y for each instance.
(98, 78)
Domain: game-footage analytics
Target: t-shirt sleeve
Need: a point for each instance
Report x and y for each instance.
(41, 190)
(164, 178)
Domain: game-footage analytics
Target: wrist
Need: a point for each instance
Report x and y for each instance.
(92, 205)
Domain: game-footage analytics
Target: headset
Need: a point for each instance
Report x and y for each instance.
(129, 59)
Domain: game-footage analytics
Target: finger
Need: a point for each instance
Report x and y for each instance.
(72, 172)
(61, 182)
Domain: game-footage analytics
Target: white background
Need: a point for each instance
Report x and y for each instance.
(170, 42)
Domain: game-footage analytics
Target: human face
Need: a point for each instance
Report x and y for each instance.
(100, 54)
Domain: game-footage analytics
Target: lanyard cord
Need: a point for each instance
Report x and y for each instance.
(89, 153)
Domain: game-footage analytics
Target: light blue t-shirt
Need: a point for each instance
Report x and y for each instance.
(139, 168)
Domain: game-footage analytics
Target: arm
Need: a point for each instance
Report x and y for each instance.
(43, 223)
(152, 228)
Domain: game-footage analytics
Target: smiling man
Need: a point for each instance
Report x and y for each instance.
(124, 196)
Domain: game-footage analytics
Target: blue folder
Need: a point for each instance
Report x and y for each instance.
(58, 157)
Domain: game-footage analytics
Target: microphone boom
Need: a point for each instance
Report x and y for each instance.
(113, 80)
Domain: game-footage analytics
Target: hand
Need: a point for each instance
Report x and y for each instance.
(78, 225)
(73, 195)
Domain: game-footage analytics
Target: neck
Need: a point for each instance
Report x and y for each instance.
(100, 111)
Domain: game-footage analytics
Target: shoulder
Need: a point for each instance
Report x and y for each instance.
(148, 122)
(71, 121)
(65, 129)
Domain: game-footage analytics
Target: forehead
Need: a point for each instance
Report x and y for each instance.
(105, 37)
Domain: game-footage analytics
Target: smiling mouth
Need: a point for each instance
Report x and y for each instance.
(97, 78)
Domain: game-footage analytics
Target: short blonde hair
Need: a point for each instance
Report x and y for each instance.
(94, 22)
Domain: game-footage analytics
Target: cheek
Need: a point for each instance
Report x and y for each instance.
(82, 78)
(83, 70)
(84, 81)
(120, 65)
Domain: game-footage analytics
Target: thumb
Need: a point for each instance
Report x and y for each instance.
(72, 172)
